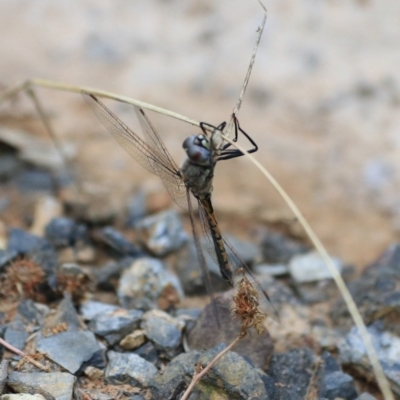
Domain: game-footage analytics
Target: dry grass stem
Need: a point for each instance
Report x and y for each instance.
(351, 305)
(22, 354)
(200, 371)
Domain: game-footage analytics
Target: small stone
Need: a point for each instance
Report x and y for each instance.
(16, 334)
(232, 377)
(147, 284)
(6, 256)
(294, 368)
(338, 385)
(22, 397)
(64, 314)
(207, 333)
(149, 352)
(69, 349)
(271, 269)
(136, 209)
(163, 233)
(311, 267)
(63, 232)
(3, 373)
(35, 180)
(117, 242)
(277, 248)
(114, 325)
(366, 396)
(191, 275)
(52, 385)
(32, 313)
(247, 251)
(164, 331)
(9, 165)
(128, 368)
(35, 247)
(90, 309)
(133, 340)
(94, 373)
(352, 352)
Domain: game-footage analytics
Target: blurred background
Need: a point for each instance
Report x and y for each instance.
(322, 103)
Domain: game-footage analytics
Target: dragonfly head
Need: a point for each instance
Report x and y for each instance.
(197, 149)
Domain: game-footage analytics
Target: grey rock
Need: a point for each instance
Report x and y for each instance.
(22, 397)
(114, 325)
(53, 385)
(136, 209)
(117, 242)
(63, 232)
(247, 251)
(207, 333)
(232, 377)
(65, 313)
(352, 352)
(191, 275)
(31, 312)
(294, 368)
(149, 352)
(163, 233)
(35, 180)
(376, 293)
(366, 396)
(6, 256)
(271, 269)
(164, 331)
(107, 276)
(37, 248)
(3, 374)
(310, 267)
(338, 385)
(16, 334)
(147, 284)
(23, 242)
(127, 368)
(90, 309)
(69, 349)
(277, 248)
(9, 165)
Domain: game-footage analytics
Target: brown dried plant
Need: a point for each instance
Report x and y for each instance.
(246, 306)
(22, 279)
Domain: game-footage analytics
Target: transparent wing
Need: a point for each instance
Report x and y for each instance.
(156, 160)
(236, 266)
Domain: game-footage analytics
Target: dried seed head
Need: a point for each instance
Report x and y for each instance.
(23, 279)
(246, 305)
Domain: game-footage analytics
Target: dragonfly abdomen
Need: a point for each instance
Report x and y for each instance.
(219, 245)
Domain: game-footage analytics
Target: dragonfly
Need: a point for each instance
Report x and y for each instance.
(190, 185)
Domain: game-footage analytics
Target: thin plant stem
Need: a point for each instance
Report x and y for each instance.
(351, 305)
(198, 376)
(22, 354)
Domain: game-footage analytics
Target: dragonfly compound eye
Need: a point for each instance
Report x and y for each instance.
(196, 151)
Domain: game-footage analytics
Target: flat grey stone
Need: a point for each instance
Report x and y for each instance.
(232, 377)
(147, 284)
(115, 325)
(129, 368)
(53, 385)
(163, 330)
(69, 349)
(311, 267)
(164, 232)
(91, 308)
(22, 397)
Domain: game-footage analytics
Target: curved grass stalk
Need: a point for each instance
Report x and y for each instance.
(351, 305)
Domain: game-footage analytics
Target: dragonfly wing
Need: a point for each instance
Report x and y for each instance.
(153, 159)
